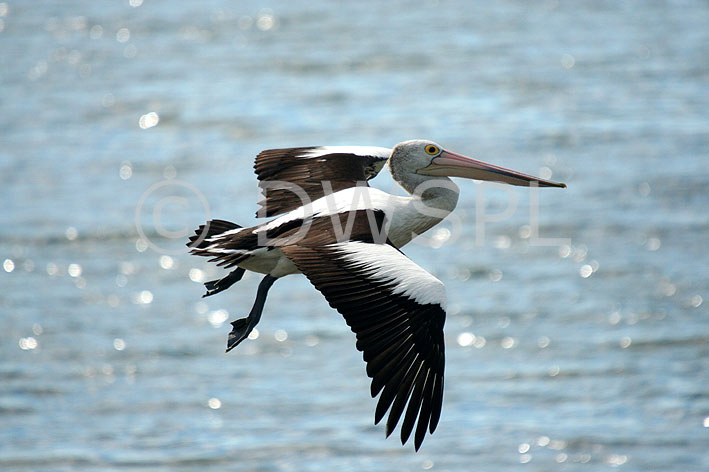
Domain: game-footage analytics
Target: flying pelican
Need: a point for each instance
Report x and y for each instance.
(346, 237)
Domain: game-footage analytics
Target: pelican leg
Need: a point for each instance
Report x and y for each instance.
(243, 326)
(216, 286)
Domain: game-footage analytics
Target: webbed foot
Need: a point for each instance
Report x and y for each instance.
(241, 329)
(216, 286)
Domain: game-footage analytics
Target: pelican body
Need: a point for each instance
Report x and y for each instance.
(326, 222)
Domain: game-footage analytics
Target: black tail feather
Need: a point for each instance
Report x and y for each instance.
(209, 229)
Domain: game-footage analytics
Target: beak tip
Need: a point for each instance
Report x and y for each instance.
(549, 183)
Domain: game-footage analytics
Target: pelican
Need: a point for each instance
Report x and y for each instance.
(346, 237)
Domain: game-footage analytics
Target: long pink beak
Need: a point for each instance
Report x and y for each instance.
(454, 165)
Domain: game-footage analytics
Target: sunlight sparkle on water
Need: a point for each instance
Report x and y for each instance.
(126, 170)
(96, 32)
(615, 460)
(149, 120)
(254, 334)
(196, 275)
(27, 343)
(667, 288)
(580, 253)
(214, 403)
(130, 51)
(141, 245)
(466, 338)
(218, 317)
(127, 268)
(265, 21)
(280, 335)
(145, 297)
(123, 35)
(557, 444)
(706, 422)
(440, 237)
(71, 233)
(52, 269)
(8, 265)
(525, 231)
(585, 271)
(121, 280)
(74, 270)
(502, 242)
(653, 244)
(567, 61)
(614, 318)
(167, 262)
(38, 70)
(119, 344)
(169, 172)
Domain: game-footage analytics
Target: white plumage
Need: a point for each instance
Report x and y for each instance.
(388, 266)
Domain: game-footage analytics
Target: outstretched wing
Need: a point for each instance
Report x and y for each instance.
(396, 309)
(293, 177)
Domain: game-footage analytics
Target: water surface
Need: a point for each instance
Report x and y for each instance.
(578, 340)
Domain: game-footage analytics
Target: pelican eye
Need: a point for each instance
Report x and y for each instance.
(432, 150)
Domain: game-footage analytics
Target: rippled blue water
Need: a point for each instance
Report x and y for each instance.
(587, 352)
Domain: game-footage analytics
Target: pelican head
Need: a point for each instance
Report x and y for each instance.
(427, 158)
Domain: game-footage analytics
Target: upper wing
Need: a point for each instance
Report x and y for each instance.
(304, 169)
(397, 311)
